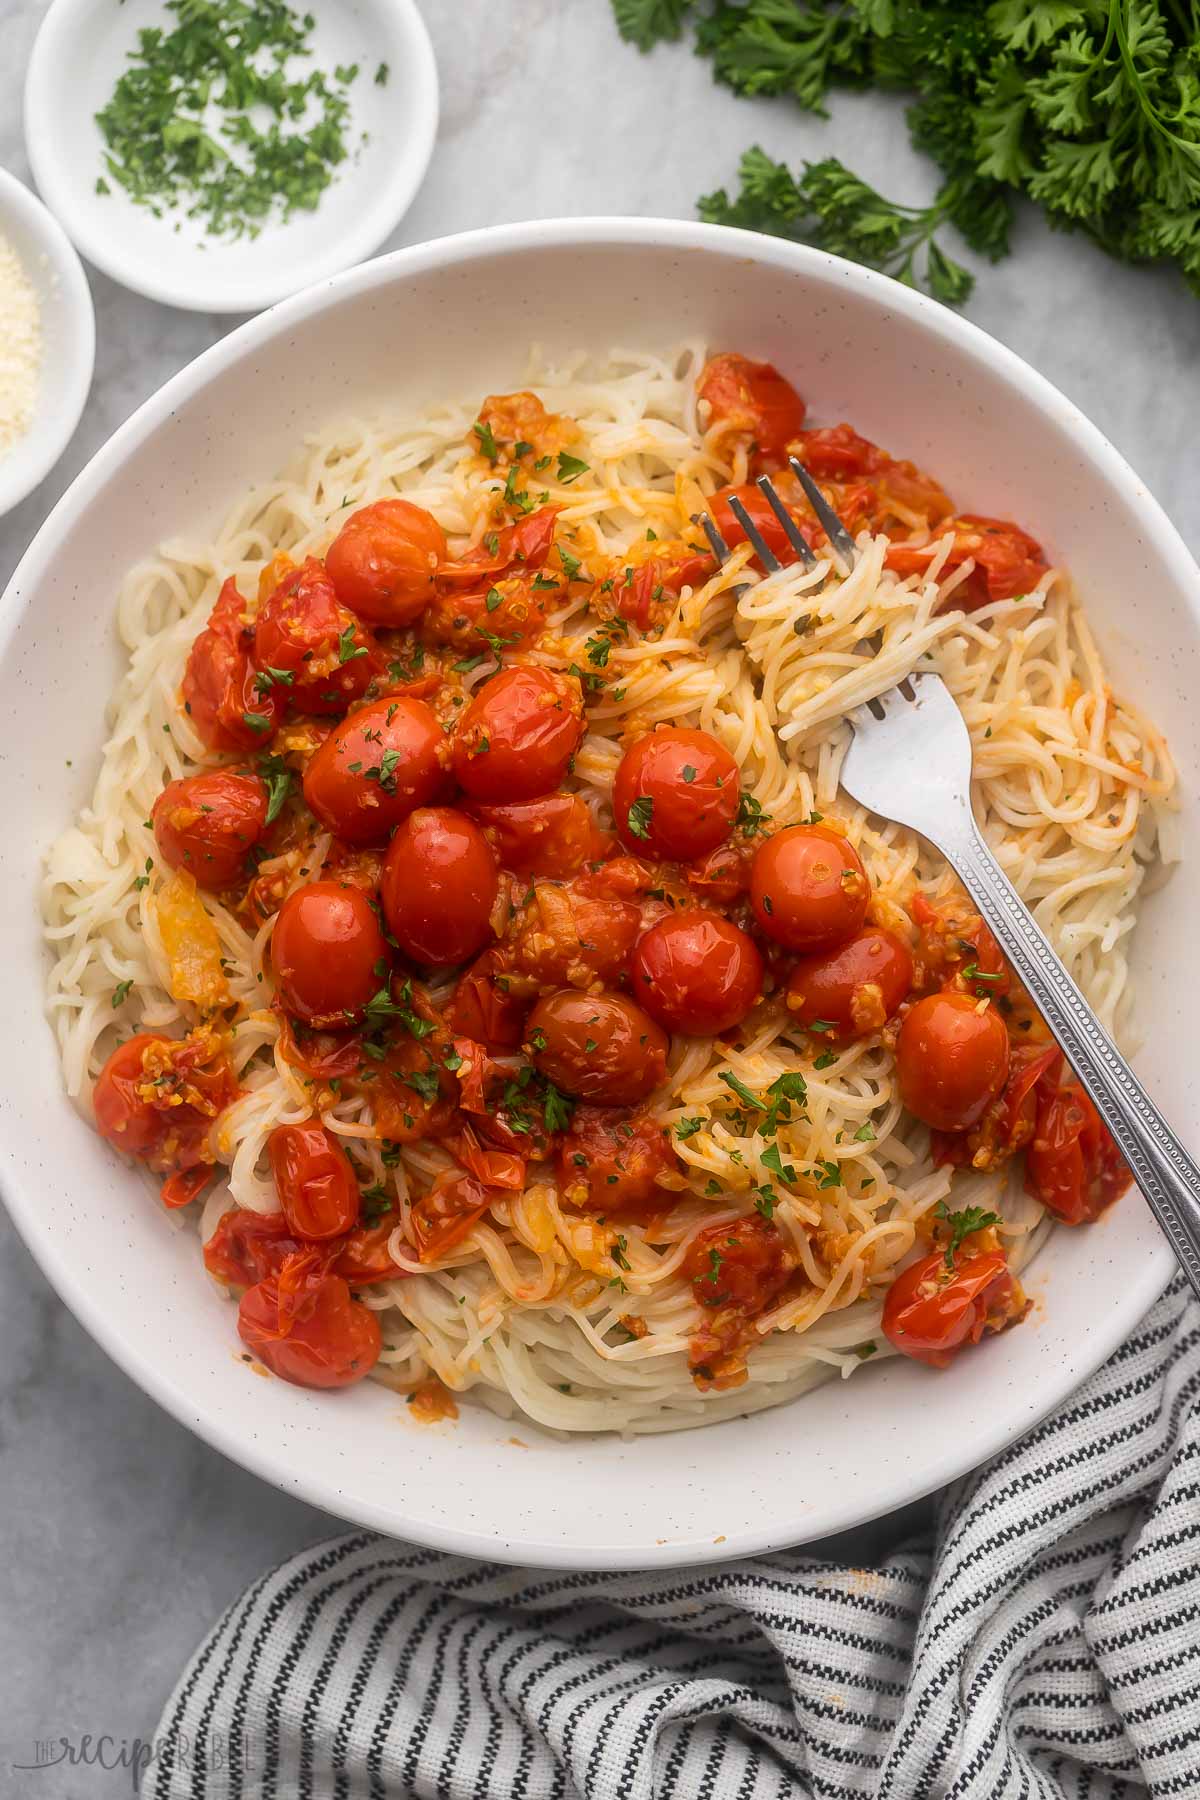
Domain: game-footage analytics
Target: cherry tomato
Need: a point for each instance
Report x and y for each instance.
(1008, 1123)
(837, 453)
(571, 933)
(248, 1246)
(600, 1047)
(645, 593)
(157, 1097)
(554, 835)
(219, 687)
(952, 939)
(439, 887)
(523, 546)
(331, 1342)
(305, 633)
(318, 1192)
(363, 1257)
(206, 823)
(675, 794)
(696, 972)
(951, 1060)
(484, 1007)
(609, 1162)
(808, 888)
(327, 949)
(741, 1264)
(384, 560)
(518, 734)
(375, 767)
(854, 989)
(722, 877)
(512, 609)
(1072, 1164)
(932, 1311)
(762, 516)
(442, 1217)
(753, 398)
(1008, 562)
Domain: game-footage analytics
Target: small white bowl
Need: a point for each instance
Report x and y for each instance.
(81, 50)
(68, 327)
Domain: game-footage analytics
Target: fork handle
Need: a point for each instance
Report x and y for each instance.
(1166, 1174)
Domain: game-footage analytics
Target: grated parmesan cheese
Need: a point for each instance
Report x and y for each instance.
(20, 347)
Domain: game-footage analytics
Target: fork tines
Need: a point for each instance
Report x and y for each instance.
(840, 540)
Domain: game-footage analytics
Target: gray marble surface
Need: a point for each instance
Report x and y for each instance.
(122, 1537)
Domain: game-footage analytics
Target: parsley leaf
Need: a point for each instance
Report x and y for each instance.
(962, 1224)
(570, 468)
(640, 815)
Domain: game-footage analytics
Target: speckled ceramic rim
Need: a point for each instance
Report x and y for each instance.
(1072, 1360)
(31, 458)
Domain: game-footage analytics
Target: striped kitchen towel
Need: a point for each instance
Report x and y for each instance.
(1047, 1643)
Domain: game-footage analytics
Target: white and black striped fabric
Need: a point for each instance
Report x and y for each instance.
(1047, 1643)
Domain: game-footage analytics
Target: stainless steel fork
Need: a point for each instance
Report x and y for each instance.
(910, 760)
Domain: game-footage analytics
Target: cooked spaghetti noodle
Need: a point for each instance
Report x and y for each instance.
(578, 1320)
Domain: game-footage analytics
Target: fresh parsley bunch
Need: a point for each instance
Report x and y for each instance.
(1091, 108)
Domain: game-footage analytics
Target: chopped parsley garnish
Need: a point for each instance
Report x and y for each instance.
(750, 817)
(257, 722)
(423, 1082)
(487, 443)
(571, 564)
(741, 1090)
(121, 993)
(829, 1175)
(570, 468)
(962, 1224)
(865, 1134)
(598, 651)
(347, 648)
(493, 599)
(686, 1128)
(618, 1253)
(556, 1108)
(772, 1160)
(213, 116)
(640, 815)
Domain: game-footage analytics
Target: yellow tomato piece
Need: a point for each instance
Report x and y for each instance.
(193, 948)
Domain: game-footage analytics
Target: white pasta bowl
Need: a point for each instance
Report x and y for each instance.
(458, 316)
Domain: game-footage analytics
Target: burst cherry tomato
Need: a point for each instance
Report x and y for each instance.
(157, 1097)
(1072, 1164)
(838, 453)
(762, 516)
(854, 989)
(554, 835)
(517, 736)
(327, 949)
(439, 886)
(609, 1162)
(303, 631)
(645, 593)
(318, 1194)
(375, 767)
(206, 823)
(696, 972)
(675, 794)
(384, 560)
(331, 1341)
(219, 688)
(753, 398)
(520, 547)
(741, 1264)
(951, 1060)
(484, 1006)
(808, 888)
(600, 1047)
(932, 1311)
